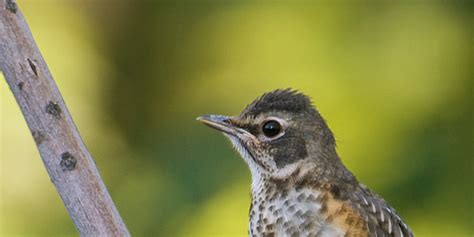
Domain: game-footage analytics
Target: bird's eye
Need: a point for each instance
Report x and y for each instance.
(271, 128)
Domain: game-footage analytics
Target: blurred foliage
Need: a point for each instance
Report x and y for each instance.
(394, 81)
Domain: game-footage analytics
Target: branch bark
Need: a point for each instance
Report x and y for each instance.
(69, 164)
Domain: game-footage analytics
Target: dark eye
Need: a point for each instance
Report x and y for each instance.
(271, 128)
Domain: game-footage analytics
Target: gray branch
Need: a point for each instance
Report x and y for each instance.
(69, 164)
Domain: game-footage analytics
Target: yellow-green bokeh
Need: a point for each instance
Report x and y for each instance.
(393, 80)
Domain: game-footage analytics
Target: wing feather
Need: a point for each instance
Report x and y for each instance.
(382, 219)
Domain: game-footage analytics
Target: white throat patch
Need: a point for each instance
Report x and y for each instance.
(255, 170)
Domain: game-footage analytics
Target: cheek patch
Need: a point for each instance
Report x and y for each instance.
(288, 149)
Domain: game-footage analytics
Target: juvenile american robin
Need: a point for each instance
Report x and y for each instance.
(299, 185)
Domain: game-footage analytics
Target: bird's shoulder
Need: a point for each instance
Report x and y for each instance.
(360, 212)
(381, 218)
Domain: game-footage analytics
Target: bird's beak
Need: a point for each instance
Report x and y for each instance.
(220, 123)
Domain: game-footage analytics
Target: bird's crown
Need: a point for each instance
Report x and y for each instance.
(288, 100)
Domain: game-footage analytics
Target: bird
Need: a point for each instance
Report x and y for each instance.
(300, 187)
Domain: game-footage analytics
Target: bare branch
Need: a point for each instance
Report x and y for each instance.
(68, 162)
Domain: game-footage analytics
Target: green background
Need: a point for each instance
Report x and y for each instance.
(392, 78)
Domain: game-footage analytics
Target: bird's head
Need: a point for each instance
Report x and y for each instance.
(278, 134)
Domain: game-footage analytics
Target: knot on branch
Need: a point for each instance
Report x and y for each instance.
(32, 66)
(68, 162)
(53, 109)
(38, 136)
(11, 6)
